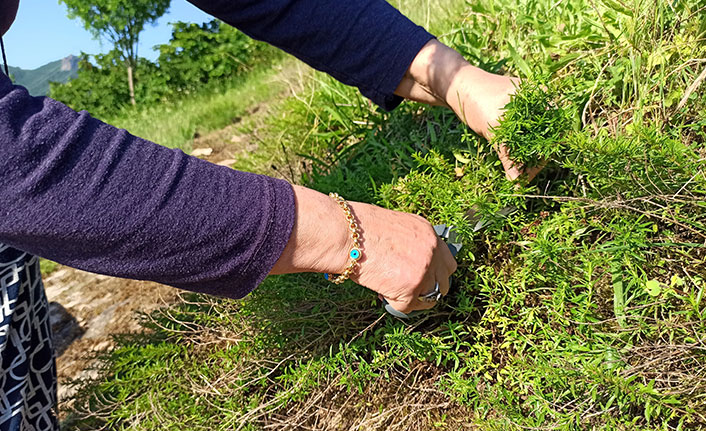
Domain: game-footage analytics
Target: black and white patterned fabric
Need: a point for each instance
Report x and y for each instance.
(28, 374)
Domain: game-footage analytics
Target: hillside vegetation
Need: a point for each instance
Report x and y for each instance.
(583, 309)
(37, 81)
(197, 59)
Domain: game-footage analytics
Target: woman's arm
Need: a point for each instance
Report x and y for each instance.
(364, 43)
(371, 45)
(88, 195)
(91, 196)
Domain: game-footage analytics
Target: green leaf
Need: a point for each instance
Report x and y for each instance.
(519, 62)
(653, 287)
(618, 7)
(618, 292)
(461, 158)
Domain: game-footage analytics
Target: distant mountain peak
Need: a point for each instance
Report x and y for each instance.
(37, 80)
(69, 64)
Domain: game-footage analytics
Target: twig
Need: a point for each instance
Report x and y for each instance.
(369, 327)
(694, 85)
(593, 90)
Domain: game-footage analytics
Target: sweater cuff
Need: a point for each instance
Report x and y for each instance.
(272, 234)
(383, 94)
(277, 236)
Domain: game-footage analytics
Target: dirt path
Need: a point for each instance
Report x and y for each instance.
(88, 309)
(101, 306)
(241, 138)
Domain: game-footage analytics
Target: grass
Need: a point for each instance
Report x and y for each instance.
(211, 110)
(583, 310)
(47, 266)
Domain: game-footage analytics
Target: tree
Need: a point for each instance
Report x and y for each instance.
(120, 22)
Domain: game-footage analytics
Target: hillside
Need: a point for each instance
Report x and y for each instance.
(583, 309)
(37, 80)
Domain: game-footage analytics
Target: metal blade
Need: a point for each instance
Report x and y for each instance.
(473, 215)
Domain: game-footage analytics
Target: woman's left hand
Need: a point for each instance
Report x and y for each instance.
(440, 76)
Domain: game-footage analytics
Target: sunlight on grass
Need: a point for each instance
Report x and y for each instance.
(176, 124)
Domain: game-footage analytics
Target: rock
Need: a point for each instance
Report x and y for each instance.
(200, 152)
(227, 162)
(97, 326)
(69, 64)
(64, 327)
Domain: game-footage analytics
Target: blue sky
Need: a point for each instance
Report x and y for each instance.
(42, 33)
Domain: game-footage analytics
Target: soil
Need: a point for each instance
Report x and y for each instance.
(98, 307)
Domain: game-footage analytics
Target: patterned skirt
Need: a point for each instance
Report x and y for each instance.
(28, 374)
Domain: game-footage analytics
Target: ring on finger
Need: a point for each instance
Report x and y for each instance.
(433, 296)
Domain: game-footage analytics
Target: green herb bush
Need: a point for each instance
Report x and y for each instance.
(534, 125)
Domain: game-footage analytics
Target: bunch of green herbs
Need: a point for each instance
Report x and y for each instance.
(534, 124)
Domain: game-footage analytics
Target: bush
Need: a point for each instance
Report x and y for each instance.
(196, 58)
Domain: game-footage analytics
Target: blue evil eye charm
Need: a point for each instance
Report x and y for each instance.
(355, 254)
(326, 276)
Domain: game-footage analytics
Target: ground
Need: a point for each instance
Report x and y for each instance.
(102, 307)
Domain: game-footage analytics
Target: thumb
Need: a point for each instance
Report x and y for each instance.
(407, 306)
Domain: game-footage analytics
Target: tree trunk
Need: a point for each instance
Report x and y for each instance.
(131, 84)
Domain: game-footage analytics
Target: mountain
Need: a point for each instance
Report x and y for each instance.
(37, 80)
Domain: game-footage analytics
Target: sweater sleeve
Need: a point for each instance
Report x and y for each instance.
(88, 195)
(365, 43)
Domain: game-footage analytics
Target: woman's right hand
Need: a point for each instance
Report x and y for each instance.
(402, 257)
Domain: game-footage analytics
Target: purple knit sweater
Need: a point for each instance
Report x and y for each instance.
(88, 195)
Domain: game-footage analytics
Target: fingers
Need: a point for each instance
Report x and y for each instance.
(443, 266)
(444, 284)
(411, 305)
(514, 170)
(532, 172)
(410, 301)
(403, 257)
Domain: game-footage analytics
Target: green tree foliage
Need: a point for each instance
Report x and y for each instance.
(196, 56)
(120, 22)
(200, 54)
(100, 85)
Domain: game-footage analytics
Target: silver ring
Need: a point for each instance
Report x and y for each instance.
(433, 296)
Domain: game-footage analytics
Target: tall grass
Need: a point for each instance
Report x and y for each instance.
(176, 124)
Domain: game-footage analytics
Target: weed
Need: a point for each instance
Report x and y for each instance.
(47, 267)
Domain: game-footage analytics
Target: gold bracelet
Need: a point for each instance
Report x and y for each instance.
(355, 253)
